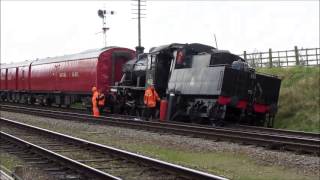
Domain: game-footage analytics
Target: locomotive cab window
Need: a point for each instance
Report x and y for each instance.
(223, 58)
(151, 62)
(183, 60)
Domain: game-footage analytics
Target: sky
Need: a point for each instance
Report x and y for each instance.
(39, 29)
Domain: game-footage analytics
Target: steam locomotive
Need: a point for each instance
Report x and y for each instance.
(200, 84)
(196, 82)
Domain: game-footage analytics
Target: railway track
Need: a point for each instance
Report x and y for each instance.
(64, 109)
(271, 138)
(264, 130)
(55, 165)
(73, 158)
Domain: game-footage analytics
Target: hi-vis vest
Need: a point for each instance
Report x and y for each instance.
(101, 99)
(150, 97)
(94, 98)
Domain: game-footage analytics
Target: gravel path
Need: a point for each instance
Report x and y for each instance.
(117, 136)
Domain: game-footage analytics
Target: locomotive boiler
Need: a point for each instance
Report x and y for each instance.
(201, 84)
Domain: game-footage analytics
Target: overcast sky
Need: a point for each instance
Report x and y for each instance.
(37, 29)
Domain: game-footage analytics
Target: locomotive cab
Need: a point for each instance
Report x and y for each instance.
(164, 59)
(157, 72)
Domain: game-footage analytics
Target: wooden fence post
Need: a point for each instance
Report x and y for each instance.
(296, 52)
(270, 58)
(261, 64)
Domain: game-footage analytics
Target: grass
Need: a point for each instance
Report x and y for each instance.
(18, 167)
(77, 105)
(299, 102)
(9, 161)
(230, 165)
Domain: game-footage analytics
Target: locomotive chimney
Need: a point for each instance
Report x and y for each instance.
(139, 50)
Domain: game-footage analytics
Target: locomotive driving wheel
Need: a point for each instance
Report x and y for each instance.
(269, 122)
(217, 114)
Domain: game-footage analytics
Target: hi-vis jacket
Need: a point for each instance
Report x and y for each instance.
(151, 97)
(95, 108)
(101, 99)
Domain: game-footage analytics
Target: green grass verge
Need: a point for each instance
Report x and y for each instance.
(230, 165)
(299, 102)
(9, 161)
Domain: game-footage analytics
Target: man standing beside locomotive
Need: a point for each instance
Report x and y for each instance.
(95, 95)
(150, 100)
(98, 101)
(101, 100)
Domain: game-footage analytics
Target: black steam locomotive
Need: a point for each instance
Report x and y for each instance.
(200, 84)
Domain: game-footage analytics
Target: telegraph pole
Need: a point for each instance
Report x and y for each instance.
(139, 23)
(137, 12)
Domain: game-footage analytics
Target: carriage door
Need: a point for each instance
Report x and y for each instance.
(56, 76)
(23, 81)
(117, 69)
(151, 69)
(119, 58)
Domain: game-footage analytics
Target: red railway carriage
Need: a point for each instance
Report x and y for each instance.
(23, 77)
(79, 72)
(14, 78)
(65, 79)
(3, 80)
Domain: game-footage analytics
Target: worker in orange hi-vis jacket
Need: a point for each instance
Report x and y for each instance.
(94, 100)
(150, 100)
(101, 100)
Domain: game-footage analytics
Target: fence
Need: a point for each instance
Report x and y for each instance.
(287, 58)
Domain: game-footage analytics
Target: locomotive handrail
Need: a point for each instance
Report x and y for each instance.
(131, 87)
(229, 66)
(215, 65)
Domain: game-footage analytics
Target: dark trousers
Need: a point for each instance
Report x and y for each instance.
(150, 113)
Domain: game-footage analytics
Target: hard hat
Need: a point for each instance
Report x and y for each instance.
(94, 89)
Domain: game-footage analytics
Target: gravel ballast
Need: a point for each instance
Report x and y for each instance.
(121, 137)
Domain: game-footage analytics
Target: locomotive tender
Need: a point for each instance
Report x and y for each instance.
(200, 83)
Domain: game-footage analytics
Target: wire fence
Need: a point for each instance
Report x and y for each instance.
(287, 58)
